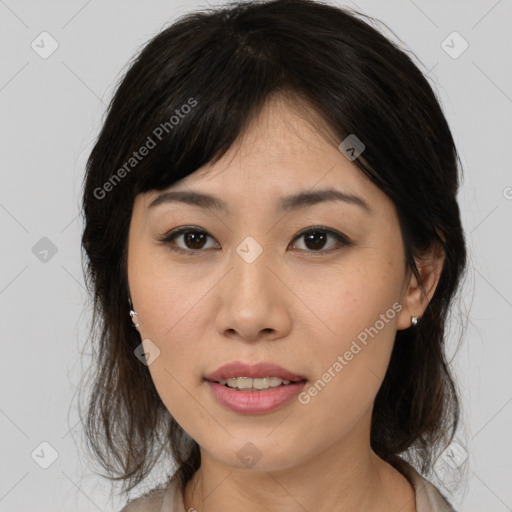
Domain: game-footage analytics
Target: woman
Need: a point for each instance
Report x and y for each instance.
(273, 245)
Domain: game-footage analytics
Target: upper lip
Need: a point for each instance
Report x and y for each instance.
(259, 370)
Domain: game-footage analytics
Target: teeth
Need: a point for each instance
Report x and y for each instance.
(250, 383)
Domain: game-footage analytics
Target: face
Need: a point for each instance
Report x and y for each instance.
(315, 288)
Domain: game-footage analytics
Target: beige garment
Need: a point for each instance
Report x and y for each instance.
(168, 499)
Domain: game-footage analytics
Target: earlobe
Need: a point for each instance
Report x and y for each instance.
(418, 295)
(410, 302)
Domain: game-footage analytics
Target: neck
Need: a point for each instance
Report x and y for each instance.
(345, 477)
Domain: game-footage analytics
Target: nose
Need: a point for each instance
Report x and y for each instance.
(255, 301)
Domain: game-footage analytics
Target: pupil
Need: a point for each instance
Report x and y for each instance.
(194, 237)
(315, 235)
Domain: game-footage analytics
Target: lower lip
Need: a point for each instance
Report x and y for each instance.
(255, 402)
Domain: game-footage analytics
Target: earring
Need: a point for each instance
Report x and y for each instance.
(133, 314)
(134, 320)
(414, 320)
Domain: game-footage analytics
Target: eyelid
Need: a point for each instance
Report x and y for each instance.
(343, 239)
(170, 235)
(166, 239)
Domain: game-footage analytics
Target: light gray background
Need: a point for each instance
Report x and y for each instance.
(51, 112)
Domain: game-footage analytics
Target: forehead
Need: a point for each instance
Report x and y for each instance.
(285, 149)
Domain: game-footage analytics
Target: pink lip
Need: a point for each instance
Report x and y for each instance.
(255, 402)
(260, 370)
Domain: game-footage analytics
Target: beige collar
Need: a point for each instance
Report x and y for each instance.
(428, 497)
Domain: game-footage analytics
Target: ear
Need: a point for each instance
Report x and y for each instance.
(414, 299)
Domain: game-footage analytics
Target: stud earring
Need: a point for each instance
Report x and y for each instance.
(414, 320)
(133, 314)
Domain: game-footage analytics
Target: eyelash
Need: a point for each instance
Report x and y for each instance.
(168, 238)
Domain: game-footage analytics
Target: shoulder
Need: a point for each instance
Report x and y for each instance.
(168, 498)
(428, 497)
(152, 501)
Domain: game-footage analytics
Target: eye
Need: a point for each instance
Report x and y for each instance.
(315, 238)
(194, 239)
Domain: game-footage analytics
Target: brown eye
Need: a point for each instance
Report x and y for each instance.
(193, 239)
(316, 238)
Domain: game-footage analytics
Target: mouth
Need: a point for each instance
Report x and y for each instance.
(254, 400)
(257, 384)
(254, 388)
(253, 376)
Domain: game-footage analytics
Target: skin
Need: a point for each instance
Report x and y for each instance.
(297, 305)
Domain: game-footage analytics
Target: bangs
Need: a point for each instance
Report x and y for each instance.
(184, 102)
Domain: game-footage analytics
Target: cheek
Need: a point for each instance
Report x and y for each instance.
(178, 337)
(351, 298)
(166, 297)
(165, 308)
(355, 332)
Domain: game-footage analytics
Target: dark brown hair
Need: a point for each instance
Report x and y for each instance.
(226, 62)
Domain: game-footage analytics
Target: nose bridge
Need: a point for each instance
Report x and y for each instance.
(251, 300)
(250, 273)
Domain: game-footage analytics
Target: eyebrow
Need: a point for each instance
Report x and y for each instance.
(285, 204)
